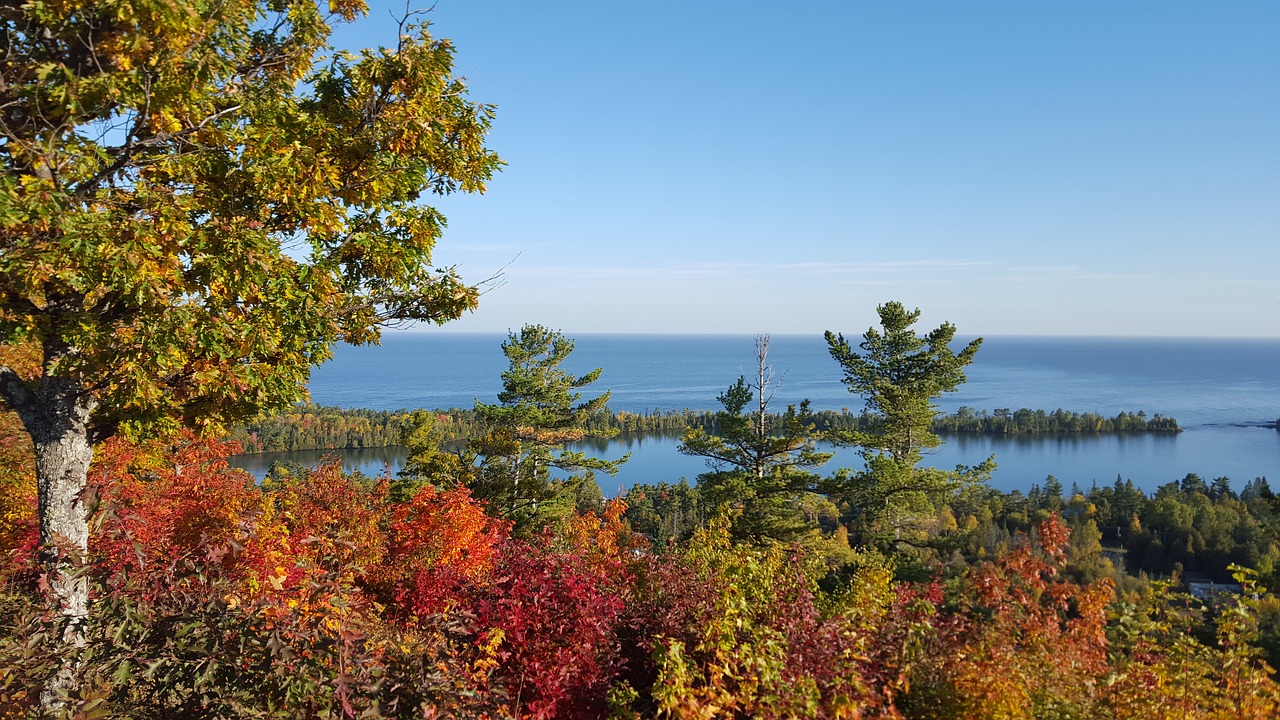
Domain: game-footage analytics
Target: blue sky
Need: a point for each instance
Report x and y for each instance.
(1084, 168)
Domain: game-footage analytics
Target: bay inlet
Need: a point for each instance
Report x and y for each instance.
(1225, 393)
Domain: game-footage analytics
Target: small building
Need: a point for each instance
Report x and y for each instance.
(1211, 591)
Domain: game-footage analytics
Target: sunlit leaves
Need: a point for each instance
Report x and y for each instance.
(1024, 642)
(437, 543)
(540, 410)
(321, 595)
(168, 165)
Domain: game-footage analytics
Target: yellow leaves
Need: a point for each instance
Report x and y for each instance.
(277, 579)
(17, 505)
(872, 590)
(187, 307)
(488, 660)
(165, 122)
(845, 708)
(348, 9)
(603, 539)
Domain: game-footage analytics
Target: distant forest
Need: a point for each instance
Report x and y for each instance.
(318, 427)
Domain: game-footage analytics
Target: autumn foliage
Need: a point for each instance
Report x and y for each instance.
(316, 594)
(18, 528)
(439, 543)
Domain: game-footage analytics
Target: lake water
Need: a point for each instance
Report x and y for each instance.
(1222, 391)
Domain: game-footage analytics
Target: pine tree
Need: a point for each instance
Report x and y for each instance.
(899, 374)
(760, 464)
(539, 411)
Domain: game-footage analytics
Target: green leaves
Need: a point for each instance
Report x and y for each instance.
(539, 412)
(163, 164)
(761, 464)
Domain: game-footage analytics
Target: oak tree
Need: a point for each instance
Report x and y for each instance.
(197, 200)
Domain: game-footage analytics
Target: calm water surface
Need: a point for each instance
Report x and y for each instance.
(1221, 391)
(1195, 380)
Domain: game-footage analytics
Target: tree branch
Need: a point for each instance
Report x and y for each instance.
(131, 149)
(14, 390)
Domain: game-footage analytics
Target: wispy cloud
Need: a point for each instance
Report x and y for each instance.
(732, 269)
(1077, 273)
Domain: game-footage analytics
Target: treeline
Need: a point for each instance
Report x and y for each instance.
(1186, 531)
(965, 420)
(1025, 421)
(1189, 528)
(318, 427)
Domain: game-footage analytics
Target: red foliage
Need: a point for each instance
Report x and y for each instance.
(325, 580)
(668, 600)
(558, 622)
(167, 500)
(437, 543)
(19, 529)
(1021, 637)
(334, 516)
(829, 651)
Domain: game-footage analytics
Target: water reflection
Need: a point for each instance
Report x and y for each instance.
(1240, 453)
(369, 461)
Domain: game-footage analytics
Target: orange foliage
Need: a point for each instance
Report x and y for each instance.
(435, 541)
(168, 499)
(18, 526)
(320, 576)
(1025, 638)
(332, 517)
(22, 358)
(602, 539)
(19, 530)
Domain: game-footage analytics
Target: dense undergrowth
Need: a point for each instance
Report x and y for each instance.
(317, 594)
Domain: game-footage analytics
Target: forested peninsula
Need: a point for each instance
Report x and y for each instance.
(318, 427)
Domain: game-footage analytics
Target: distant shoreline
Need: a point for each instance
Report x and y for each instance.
(313, 427)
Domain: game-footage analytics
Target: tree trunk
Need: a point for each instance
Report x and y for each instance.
(63, 454)
(763, 396)
(55, 412)
(62, 469)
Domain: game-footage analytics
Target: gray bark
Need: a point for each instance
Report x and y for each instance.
(55, 412)
(764, 394)
(63, 454)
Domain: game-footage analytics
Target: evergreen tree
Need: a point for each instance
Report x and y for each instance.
(665, 511)
(538, 412)
(899, 374)
(1257, 489)
(760, 465)
(1193, 483)
(429, 462)
(1052, 494)
(1221, 488)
